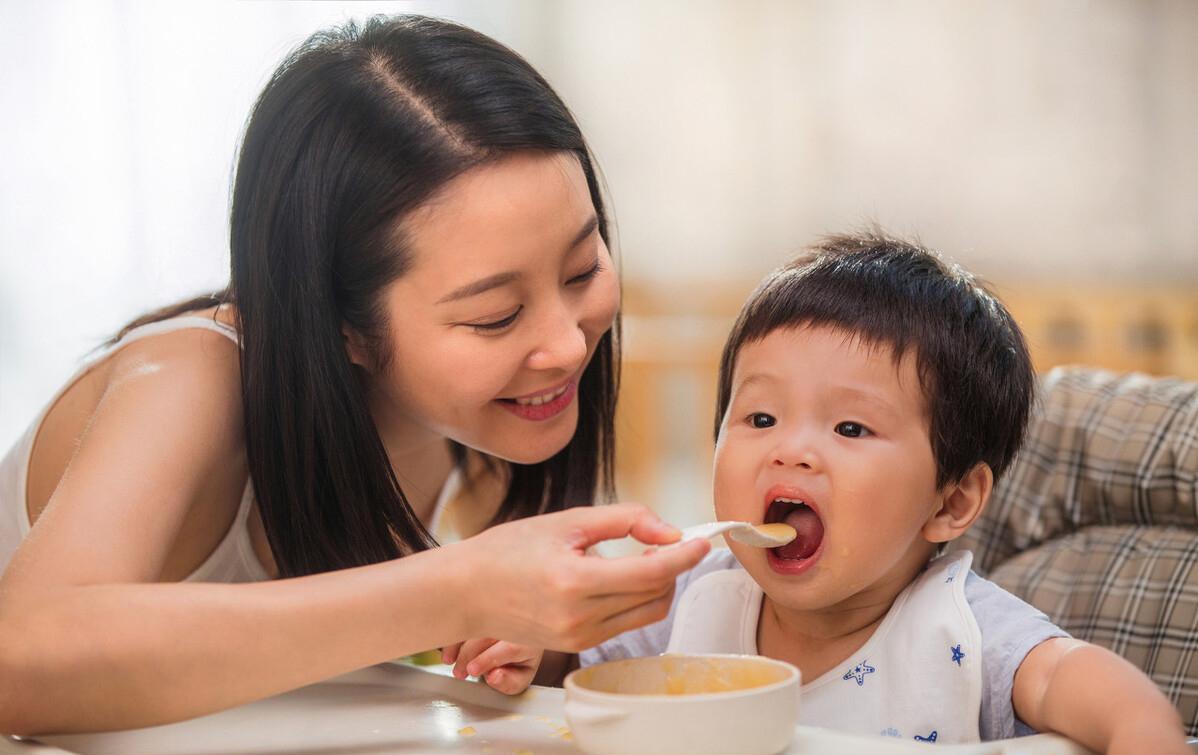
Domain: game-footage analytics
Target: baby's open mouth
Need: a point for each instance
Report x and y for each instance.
(805, 522)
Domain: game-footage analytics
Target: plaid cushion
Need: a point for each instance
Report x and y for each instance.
(1133, 590)
(1096, 522)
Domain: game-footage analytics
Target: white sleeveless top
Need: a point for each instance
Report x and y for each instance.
(918, 677)
(233, 560)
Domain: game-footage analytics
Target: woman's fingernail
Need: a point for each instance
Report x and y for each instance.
(667, 528)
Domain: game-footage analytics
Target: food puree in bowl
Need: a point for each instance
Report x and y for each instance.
(678, 675)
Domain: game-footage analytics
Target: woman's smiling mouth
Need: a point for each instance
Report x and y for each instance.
(542, 406)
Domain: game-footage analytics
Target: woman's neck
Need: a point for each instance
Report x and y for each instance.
(421, 459)
(421, 474)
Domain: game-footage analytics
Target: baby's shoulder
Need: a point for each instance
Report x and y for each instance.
(1002, 616)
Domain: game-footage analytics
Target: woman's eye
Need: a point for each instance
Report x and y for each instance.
(491, 327)
(761, 420)
(595, 270)
(852, 430)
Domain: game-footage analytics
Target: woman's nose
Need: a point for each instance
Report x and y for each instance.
(563, 345)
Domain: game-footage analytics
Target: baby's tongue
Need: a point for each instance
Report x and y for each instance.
(811, 531)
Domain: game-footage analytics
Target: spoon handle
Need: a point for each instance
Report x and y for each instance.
(702, 532)
(708, 530)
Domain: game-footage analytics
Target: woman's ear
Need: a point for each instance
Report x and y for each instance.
(960, 504)
(355, 347)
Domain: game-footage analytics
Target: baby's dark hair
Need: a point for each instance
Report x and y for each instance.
(973, 363)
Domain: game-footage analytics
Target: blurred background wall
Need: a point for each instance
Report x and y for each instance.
(1048, 145)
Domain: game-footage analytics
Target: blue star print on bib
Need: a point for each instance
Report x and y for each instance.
(858, 672)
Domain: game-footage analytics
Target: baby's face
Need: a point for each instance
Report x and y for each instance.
(817, 417)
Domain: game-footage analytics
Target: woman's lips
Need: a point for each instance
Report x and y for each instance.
(546, 410)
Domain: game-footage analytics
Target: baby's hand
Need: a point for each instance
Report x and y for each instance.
(504, 666)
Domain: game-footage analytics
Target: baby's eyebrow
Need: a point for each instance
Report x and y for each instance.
(757, 379)
(868, 397)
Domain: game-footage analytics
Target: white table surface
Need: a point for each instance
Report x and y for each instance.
(403, 709)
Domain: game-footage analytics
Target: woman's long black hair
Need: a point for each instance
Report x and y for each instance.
(357, 127)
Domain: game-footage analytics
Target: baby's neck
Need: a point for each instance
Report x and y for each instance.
(819, 640)
(816, 643)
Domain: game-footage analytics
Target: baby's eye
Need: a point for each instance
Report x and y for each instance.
(761, 420)
(852, 430)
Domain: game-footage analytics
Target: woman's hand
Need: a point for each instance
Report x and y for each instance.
(504, 666)
(533, 583)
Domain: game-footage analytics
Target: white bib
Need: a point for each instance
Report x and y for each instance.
(918, 677)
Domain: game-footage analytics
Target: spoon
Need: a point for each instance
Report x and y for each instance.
(757, 535)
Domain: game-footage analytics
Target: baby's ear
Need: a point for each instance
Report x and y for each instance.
(960, 503)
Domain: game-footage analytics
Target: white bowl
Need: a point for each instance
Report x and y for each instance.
(694, 704)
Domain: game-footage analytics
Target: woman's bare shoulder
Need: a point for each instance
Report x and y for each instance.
(190, 376)
(181, 381)
(154, 436)
(180, 376)
(194, 356)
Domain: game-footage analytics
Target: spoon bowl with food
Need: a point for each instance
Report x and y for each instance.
(756, 535)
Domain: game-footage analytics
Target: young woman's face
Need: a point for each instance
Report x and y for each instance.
(508, 291)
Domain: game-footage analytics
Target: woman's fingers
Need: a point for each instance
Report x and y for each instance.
(647, 572)
(638, 616)
(595, 524)
(606, 606)
(548, 598)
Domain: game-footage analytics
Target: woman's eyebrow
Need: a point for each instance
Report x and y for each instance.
(587, 229)
(501, 279)
(479, 286)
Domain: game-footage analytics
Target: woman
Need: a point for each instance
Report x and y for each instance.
(421, 293)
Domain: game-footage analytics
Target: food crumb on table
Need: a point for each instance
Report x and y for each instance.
(467, 731)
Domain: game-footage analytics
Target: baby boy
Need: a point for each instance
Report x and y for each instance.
(869, 396)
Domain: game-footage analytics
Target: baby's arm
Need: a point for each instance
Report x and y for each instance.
(1094, 697)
